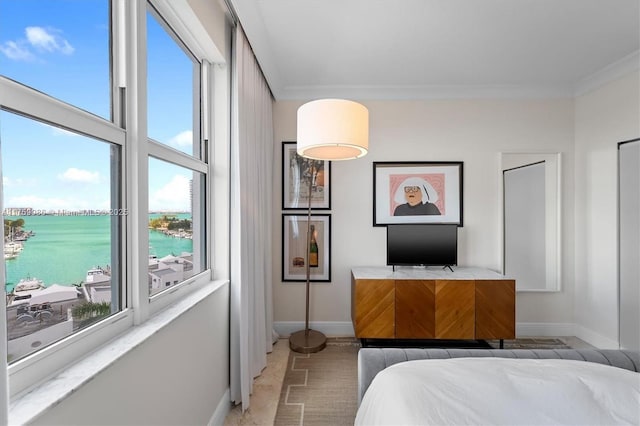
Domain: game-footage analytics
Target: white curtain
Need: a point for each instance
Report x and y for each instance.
(252, 159)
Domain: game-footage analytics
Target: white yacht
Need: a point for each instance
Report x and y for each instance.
(23, 291)
(12, 249)
(98, 275)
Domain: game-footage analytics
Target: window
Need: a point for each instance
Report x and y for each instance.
(61, 226)
(176, 181)
(173, 250)
(73, 207)
(44, 45)
(172, 73)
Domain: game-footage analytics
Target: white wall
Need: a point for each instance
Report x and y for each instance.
(473, 131)
(177, 377)
(603, 118)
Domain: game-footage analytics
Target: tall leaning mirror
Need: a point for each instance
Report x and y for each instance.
(531, 220)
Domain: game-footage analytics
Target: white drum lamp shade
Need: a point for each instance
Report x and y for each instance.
(333, 129)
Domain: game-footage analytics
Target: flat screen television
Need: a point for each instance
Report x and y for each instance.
(427, 245)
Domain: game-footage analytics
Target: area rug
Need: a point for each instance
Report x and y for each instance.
(530, 343)
(321, 388)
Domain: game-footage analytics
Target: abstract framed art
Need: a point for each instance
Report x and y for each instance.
(417, 192)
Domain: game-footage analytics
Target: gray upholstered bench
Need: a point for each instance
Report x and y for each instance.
(373, 360)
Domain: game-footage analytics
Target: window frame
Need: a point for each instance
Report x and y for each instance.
(127, 129)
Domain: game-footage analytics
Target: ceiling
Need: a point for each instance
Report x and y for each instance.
(426, 49)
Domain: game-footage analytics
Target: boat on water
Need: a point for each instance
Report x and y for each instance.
(24, 290)
(9, 255)
(12, 249)
(98, 275)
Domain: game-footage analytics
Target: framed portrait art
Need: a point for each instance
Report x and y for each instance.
(295, 250)
(417, 192)
(298, 173)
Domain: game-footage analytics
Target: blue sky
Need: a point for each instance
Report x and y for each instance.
(60, 47)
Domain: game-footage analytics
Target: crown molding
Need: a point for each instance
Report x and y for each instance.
(609, 73)
(423, 92)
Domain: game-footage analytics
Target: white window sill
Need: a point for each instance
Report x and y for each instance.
(34, 403)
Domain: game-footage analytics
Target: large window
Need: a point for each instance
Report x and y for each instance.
(73, 145)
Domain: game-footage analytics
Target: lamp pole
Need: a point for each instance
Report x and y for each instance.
(307, 340)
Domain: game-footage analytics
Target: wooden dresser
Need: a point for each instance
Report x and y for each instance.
(434, 303)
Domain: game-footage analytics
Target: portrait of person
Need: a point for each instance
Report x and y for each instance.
(415, 196)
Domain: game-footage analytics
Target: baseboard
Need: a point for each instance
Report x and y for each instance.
(222, 410)
(595, 339)
(531, 329)
(329, 328)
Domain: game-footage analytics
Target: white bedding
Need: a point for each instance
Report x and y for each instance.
(501, 391)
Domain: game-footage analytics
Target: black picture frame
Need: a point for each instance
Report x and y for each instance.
(296, 172)
(437, 192)
(294, 247)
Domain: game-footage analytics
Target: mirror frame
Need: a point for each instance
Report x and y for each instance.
(553, 215)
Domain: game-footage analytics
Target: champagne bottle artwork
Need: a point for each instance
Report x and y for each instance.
(313, 248)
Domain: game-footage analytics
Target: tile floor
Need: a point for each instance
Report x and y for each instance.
(266, 388)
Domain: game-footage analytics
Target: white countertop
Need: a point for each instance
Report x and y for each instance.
(425, 273)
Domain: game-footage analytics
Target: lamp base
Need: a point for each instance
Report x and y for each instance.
(307, 341)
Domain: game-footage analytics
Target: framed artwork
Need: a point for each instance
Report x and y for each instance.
(297, 173)
(417, 192)
(295, 251)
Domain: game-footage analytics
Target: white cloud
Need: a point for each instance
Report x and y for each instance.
(16, 51)
(38, 38)
(77, 175)
(174, 196)
(182, 139)
(19, 182)
(48, 40)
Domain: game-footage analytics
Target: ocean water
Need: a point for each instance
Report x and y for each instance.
(65, 247)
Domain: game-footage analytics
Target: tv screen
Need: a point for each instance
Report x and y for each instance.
(432, 244)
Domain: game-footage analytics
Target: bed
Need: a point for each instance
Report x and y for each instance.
(499, 386)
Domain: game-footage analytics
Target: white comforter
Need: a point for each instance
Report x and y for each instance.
(501, 391)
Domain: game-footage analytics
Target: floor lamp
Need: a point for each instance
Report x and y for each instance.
(328, 129)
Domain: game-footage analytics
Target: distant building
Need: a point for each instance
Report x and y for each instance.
(169, 271)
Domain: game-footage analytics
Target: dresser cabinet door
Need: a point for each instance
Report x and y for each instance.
(372, 308)
(495, 309)
(455, 312)
(415, 309)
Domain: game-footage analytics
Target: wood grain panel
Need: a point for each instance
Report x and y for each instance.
(495, 309)
(373, 308)
(455, 313)
(415, 309)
